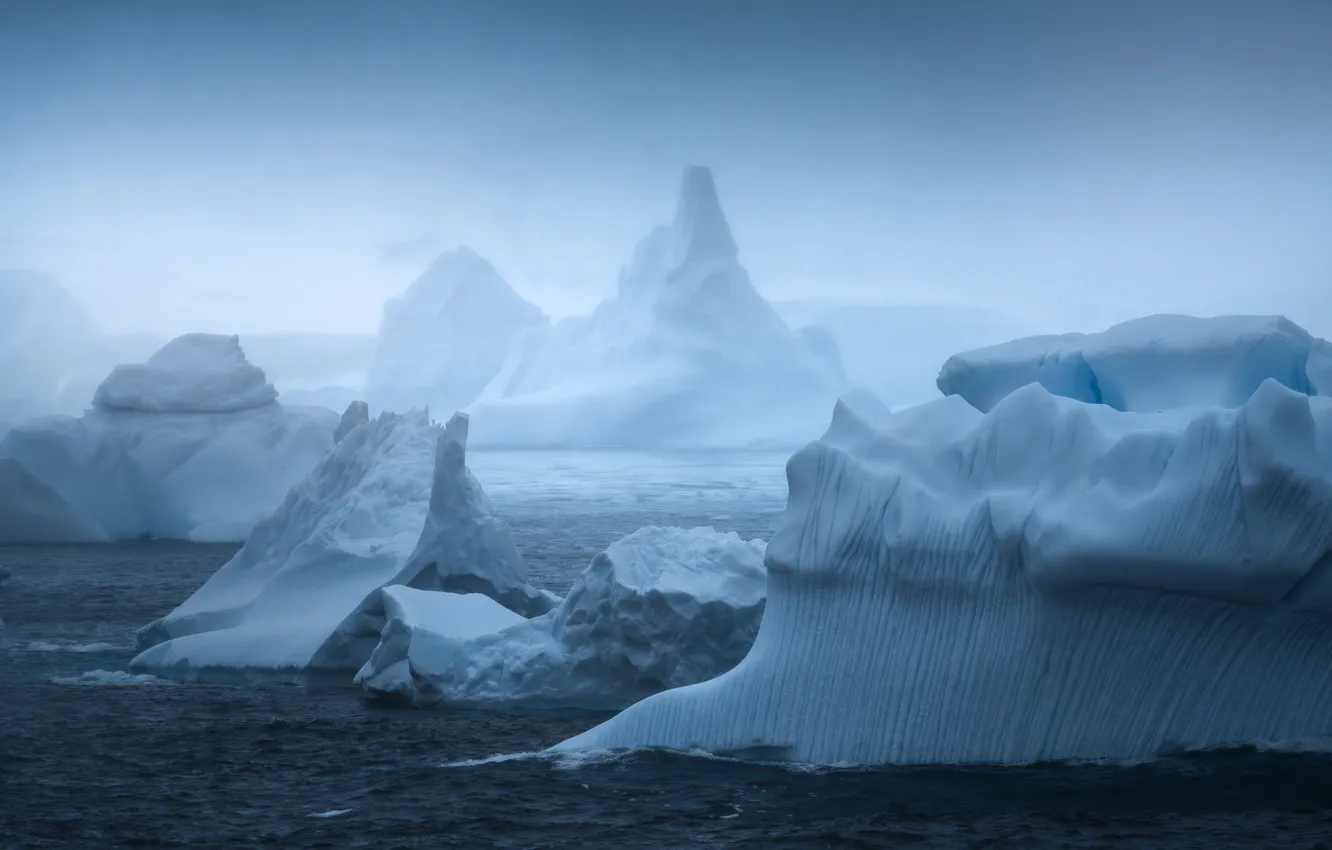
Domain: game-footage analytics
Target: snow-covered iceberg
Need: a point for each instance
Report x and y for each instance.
(448, 335)
(301, 598)
(341, 532)
(1153, 363)
(1051, 580)
(687, 353)
(194, 373)
(660, 608)
(190, 445)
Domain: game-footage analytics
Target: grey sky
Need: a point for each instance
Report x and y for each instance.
(252, 166)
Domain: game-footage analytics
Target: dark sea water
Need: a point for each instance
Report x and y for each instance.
(92, 757)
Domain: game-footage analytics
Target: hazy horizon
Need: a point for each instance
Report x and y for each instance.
(250, 167)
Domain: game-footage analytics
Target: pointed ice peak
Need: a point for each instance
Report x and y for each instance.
(456, 429)
(356, 415)
(701, 233)
(460, 262)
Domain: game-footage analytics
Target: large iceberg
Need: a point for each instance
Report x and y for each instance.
(448, 335)
(687, 353)
(660, 608)
(190, 445)
(1153, 363)
(1050, 580)
(301, 598)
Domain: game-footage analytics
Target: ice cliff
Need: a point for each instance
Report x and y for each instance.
(686, 353)
(1154, 363)
(190, 445)
(1052, 579)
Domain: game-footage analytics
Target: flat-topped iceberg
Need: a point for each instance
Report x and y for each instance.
(1051, 580)
(1153, 363)
(301, 598)
(660, 608)
(190, 445)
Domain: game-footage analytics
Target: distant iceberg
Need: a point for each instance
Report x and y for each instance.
(686, 354)
(194, 373)
(1154, 363)
(190, 445)
(448, 335)
(1052, 579)
(660, 608)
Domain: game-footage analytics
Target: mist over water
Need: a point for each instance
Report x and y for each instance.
(253, 167)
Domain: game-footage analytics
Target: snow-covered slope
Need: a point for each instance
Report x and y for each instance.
(190, 445)
(660, 608)
(1153, 363)
(447, 336)
(342, 532)
(1050, 580)
(302, 596)
(686, 353)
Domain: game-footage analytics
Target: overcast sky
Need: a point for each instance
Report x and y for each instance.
(251, 166)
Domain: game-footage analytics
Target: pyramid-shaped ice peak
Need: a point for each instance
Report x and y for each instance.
(701, 233)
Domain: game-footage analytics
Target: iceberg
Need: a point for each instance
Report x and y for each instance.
(1049, 580)
(301, 599)
(341, 532)
(1153, 363)
(660, 608)
(194, 373)
(448, 335)
(191, 445)
(686, 354)
(33, 513)
(356, 415)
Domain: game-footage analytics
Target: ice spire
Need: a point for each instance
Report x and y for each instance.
(701, 234)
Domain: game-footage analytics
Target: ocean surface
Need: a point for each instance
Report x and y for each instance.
(91, 756)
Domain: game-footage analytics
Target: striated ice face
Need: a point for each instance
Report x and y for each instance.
(1050, 580)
